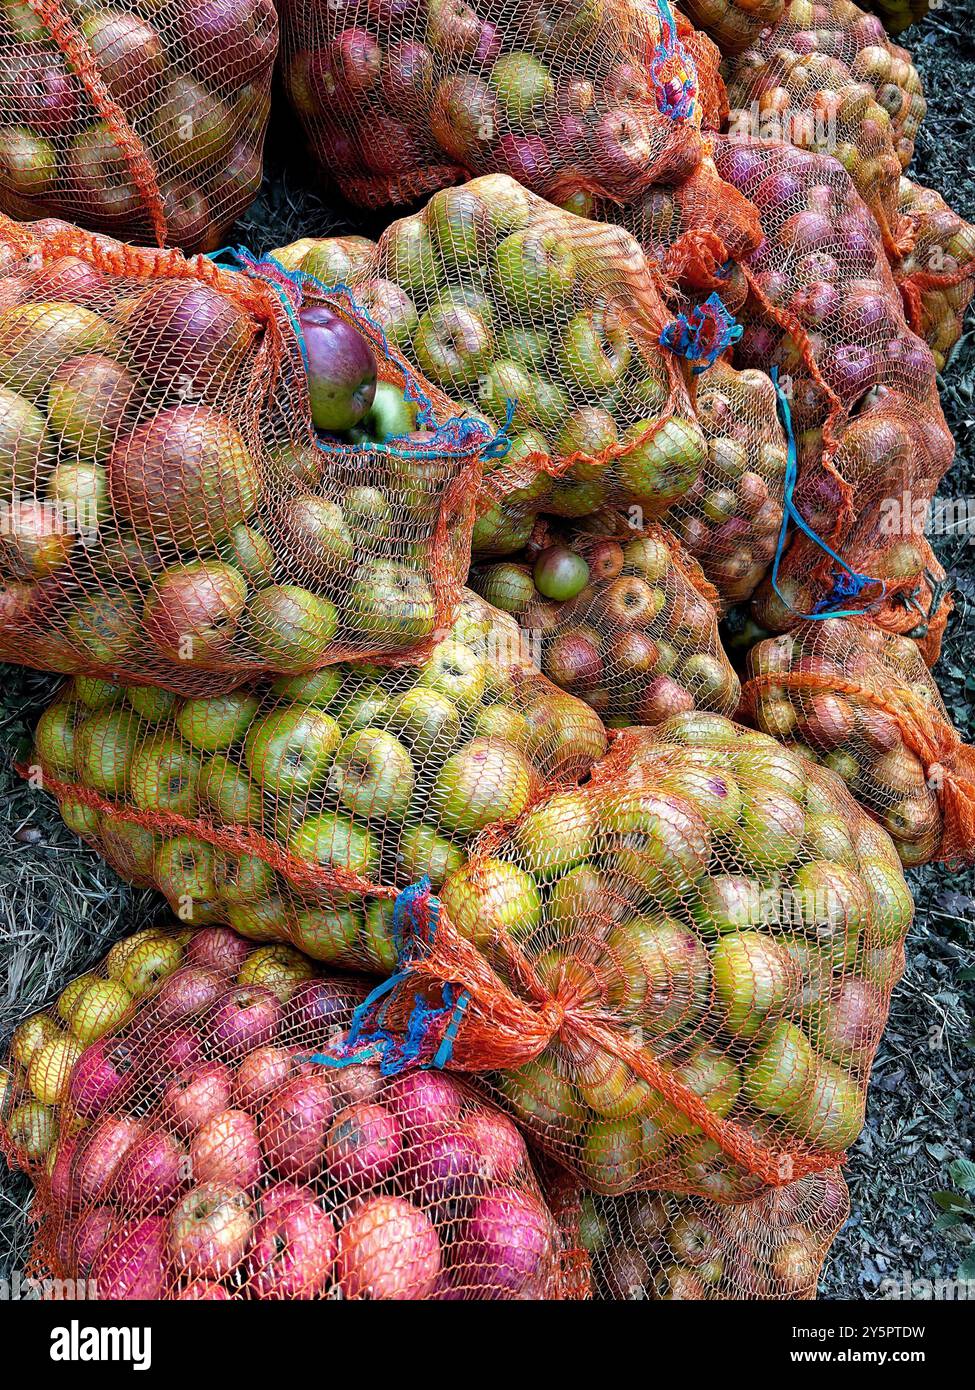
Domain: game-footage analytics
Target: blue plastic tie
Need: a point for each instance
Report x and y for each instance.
(847, 583)
(682, 107)
(703, 334)
(452, 437)
(416, 913)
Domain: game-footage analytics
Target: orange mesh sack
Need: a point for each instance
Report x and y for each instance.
(864, 703)
(870, 436)
(827, 78)
(513, 305)
(936, 276)
(143, 121)
(171, 515)
(772, 1248)
(185, 1146)
(674, 976)
(400, 99)
(638, 637)
(295, 811)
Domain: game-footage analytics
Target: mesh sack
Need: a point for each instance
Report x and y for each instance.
(170, 514)
(863, 702)
(639, 638)
(294, 812)
(400, 100)
(870, 437)
(184, 1145)
(661, 1247)
(936, 276)
(826, 78)
(146, 122)
(519, 309)
(674, 976)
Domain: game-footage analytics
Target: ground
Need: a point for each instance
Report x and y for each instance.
(60, 908)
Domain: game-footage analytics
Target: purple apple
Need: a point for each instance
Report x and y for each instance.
(341, 369)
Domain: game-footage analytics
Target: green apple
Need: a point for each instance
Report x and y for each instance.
(714, 792)
(830, 1113)
(578, 898)
(422, 851)
(557, 834)
(608, 1085)
(771, 827)
(279, 968)
(595, 351)
(216, 723)
(72, 992)
(891, 905)
(411, 256)
(249, 552)
(332, 841)
(185, 869)
(658, 843)
(373, 775)
(770, 768)
(535, 271)
(501, 721)
(731, 903)
(754, 980)
(659, 970)
(80, 819)
(150, 703)
(425, 719)
(377, 935)
(664, 463)
(828, 837)
(710, 1074)
(129, 848)
(831, 902)
(360, 703)
(105, 745)
(33, 1129)
(165, 776)
(235, 797)
(390, 414)
(543, 1097)
(522, 85)
(151, 962)
(95, 693)
(54, 738)
(330, 934)
(456, 220)
(290, 626)
(453, 345)
(80, 491)
(242, 878)
(291, 750)
(100, 1007)
(490, 898)
(616, 1153)
(266, 919)
(779, 1069)
(506, 382)
(389, 601)
(528, 347)
(456, 671)
(310, 688)
(485, 781)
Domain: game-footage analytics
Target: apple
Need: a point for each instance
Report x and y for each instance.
(280, 968)
(486, 781)
(754, 981)
(87, 1236)
(102, 1076)
(100, 1007)
(33, 1130)
(453, 345)
(218, 721)
(463, 115)
(184, 869)
(829, 1115)
(491, 899)
(424, 719)
(101, 1151)
(150, 961)
(218, 949)
(49, 332)
(229, 39)
(544, 1098)
(260, 1072)
(295, 1125)
(506, 1243)
(290, 750)
(194, 1097)
(209, 1229)
(560, 573)
(341, 368)
(658, 970)
(293, 1247)
(664, 462)
(152, 1171)
(363, 1146)
(89, 400)
(388, 1249)
(38, 85)
(390, 602)
(232, 794)
(225, 1149)
(36, 540)
(290, 626)
(248, 1016)
(131, 1262)
(333, 841)
(23, 435)
(535, 271)
(406, 73)
(49, 1072)
(189, 991)
(779, 1070)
